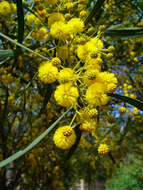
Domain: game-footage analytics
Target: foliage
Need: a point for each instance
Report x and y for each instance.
(128, 176)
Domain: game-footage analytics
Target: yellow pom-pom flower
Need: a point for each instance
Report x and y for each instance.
(66, 75)
(83, 14)
(59, 30)
(82, 52)
(103, 149)
(92, 47)
(5, 8)
(75, 25)
(92, 113)
(32, 19)
(47, 72)
(90, 76)
(95, 95)
(55, 17)
(56, 61)
(87, 126)
(64, 137)
(122, 110)
(111, 87)
(13, 7)
(66, 95)
(109, 80)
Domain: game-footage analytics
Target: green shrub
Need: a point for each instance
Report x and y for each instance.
(127, 177)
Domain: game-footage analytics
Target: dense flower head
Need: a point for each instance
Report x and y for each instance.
(75, 25)
(47, 72)
(93, 46)
(56, 62)
(122, 110)
(59, 30)
(64, 137)
(107, 78)
(87, 114)
(103, 149)
(55, 17)
(66, 95)
(66, 75)
(93, 64)
(93, 112)
(90, 76)
(87, 126)
(95, 95)
(32, 19)
(7, 8)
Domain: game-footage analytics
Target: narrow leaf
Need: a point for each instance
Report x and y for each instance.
(95, 12)
(31, 145)
(22, 46)
(124, 33)
(133, 102)
(6, 53)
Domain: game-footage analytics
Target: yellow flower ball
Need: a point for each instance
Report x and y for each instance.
(103, 149)
(66, 75)
(47, 72)
(59, 30)
(56, 62)
(90, 76)
(42, 31)
(75, 25)
(83, 14)
(31, 18)
(95, 94)
(122, 110)
(64, 137)
(87, 126)
(5, 8)
(93, 113)
(66, 95)
(55, 17)
(111, 87)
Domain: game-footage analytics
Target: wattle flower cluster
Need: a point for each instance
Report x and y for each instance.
(77, 68)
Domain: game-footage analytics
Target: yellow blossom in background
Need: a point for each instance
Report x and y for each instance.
(103, 149)
(93, 113)
(64, 137)
(136, 110)
(5, 8)
(31, 18)
(122, 110)
(87, 126)
(51, 2)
